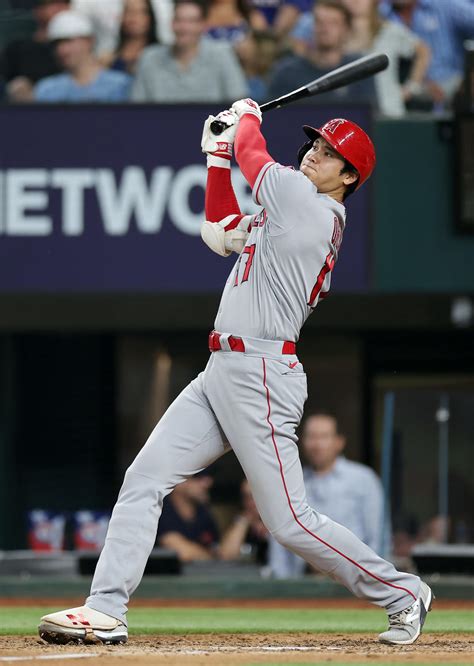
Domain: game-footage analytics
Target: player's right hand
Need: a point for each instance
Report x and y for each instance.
(220, 145)
(247, 105)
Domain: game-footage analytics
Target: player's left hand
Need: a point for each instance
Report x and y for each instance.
(220, 145)
(247, 105)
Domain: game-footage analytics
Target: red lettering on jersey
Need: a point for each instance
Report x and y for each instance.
(327, 268)
(336, 239)
(332, 125)
(260, 219)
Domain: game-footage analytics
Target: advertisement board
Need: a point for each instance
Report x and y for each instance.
(110, 199)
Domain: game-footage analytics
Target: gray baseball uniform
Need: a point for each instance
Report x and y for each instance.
(251, 394)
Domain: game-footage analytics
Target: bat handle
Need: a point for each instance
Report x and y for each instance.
(217, 126)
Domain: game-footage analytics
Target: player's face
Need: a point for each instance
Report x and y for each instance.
(321, 442)
(323, 166)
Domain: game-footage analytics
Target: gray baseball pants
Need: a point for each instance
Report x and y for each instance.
(255, 401)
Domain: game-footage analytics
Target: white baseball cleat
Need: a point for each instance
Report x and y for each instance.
(406, 625)
(81, 625)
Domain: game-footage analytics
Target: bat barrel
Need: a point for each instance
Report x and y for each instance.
(340, 77)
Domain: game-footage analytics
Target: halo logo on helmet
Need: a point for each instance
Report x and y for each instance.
(332, 125)
(347, 139)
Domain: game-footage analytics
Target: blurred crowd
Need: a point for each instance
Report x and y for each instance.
(198, 530)
(185, 51)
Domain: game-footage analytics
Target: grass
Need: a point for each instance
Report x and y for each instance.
(24, 621)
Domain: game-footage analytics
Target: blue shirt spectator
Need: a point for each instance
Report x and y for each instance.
(331, 31)
(108, 86)
(83, 79)
(346, 491)
(443, 25)
(351, 494)
(269, 8)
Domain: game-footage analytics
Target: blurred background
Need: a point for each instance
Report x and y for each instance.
(107, 293)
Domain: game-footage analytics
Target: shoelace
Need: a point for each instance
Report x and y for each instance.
(400, 618)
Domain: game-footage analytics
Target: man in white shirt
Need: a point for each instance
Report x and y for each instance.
(348, 492)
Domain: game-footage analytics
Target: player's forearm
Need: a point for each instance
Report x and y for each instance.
(251, 148)
(220, 196)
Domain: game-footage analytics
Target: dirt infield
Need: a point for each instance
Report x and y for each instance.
(229, 649)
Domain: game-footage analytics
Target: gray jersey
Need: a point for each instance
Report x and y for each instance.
(285, 266)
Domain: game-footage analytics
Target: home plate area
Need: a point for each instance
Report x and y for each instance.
(228, 649)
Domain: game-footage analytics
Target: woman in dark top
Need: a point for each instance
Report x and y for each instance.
(137, 31)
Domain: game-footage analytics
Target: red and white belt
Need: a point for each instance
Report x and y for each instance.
(226, 342)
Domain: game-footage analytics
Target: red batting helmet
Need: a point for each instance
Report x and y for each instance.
(349, 140)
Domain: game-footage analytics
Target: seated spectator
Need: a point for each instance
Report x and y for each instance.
(257, 52)
(106, 15)
(371, 34)
(26, 61)
(281, 15)
(137, 31)
(83, 78)
(186, 524)
(443, 25)
(346, 491)
(231, 19)
(332, 23)
(193, 69)
(247, 533)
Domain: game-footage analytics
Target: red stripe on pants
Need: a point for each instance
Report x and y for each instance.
(398, 587)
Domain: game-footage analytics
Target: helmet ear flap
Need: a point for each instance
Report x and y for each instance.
(304, 149)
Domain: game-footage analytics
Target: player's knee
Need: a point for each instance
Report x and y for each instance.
(287, 535)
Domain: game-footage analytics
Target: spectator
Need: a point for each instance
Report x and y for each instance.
(257, 52)
(281, 15)
(83, 78)
(231, 19)
(137, 31)
(193, 69)
(105, 19)
(26, 61)
(186, 524)
(346, 491)
(106, 15)
(332, 22)
(443, 25)
(247, 532)
(370, 33)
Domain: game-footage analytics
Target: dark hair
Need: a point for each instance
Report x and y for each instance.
(348, 168)
(202, 4)
(322, 413)
(244, 8)
(151, 34)
(339, 6)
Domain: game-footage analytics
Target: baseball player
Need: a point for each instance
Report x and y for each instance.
(252, 391)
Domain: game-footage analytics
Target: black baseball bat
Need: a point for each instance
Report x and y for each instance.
(338, 78)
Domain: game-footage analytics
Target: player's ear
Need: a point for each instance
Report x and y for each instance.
(350, 177)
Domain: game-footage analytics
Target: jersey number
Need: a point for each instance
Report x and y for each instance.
(250, 250)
